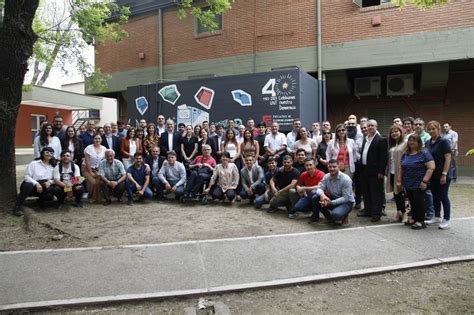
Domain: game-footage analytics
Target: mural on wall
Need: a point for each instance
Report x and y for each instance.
(279, 96)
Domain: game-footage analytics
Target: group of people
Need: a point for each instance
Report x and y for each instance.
(314, 170)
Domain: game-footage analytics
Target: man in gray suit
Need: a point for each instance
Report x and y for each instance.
(251, 179)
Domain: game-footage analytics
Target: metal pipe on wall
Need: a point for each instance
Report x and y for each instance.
(160, 41)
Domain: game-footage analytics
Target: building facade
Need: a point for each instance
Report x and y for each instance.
(378, 60)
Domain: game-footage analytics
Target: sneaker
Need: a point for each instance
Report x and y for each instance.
(237, 198)
(272, 210)
(292, 215)
(444, 225)
(433, 221)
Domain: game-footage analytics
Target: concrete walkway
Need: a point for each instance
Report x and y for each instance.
(89, 275)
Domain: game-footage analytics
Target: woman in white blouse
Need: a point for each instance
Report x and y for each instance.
(45, 139)
(307, 144)
(344, 150)
(226, 179)
(93, 154)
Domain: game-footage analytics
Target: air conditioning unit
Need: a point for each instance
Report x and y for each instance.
(367, 86)
(400, 84)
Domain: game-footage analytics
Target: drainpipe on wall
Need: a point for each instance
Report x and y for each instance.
(320, 60)
(160, 41)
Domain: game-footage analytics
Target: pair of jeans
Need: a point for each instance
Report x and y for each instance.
(417, 204)
(132, 188)
(260, 200)
(440, 196)
(218, 193)
(305, 203)
(117, 192)
(429, 210)
(257, 190)
(334, 213)
(286, 199)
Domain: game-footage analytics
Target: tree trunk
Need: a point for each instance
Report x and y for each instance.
(16, 46)
(36, 73)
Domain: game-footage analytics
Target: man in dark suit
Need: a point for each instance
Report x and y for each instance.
(374, 156)
(170, 140)
(110, 141)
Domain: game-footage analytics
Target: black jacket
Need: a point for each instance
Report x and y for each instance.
(376, 156)
(164, 146)
(115, 145)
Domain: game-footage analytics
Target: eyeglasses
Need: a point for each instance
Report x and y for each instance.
(341, 130)
(418, 124)
(326, 133)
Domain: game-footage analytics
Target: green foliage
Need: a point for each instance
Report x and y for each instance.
(67, 28)
(97, 81)
(206, 14)
(470, 152)
(424, 4)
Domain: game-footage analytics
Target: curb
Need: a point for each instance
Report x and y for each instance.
(252, 285)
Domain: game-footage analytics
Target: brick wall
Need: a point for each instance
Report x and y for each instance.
(276, 24)
(122, 56)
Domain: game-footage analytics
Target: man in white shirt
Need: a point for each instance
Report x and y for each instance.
(291, 136)
(240, 135)
(172, 176)
(275, 143)
(64, 173)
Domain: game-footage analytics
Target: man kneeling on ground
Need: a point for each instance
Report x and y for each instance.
(138, 178)
(252, 179)
(112, 174)
(64, 173)
(172, 176)
(335, 196)
(283, 186)
(308, 183)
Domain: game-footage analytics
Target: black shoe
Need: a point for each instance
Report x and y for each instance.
(375, 219)
(130, 202)
(363, 214)
(384, 213)
(80, 204)
(107, 202)
(60, 206)
(18, 211)
(357, 206)
(272, 210)
(313, 220)
(119, 199)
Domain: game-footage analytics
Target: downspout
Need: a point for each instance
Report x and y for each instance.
(319, 59)
(318, 35)
(160, 41)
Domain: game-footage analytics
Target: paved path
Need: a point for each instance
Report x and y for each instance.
(86, 275)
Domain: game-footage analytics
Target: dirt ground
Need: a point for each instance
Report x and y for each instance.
(444, 289)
